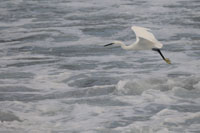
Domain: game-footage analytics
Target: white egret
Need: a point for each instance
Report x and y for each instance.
(145, 40)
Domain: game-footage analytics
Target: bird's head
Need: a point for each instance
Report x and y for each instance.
(117, 43)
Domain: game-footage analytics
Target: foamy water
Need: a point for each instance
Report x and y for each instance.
(56, 76)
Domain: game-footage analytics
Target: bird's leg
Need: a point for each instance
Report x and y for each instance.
(165, 59)
(158, 50)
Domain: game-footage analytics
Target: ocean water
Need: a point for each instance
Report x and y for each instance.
(56, 76)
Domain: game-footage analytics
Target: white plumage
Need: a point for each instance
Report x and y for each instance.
(145, 40)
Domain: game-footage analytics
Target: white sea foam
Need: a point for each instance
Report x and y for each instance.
(56, 76)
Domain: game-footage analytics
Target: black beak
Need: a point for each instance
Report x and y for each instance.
(108, 44)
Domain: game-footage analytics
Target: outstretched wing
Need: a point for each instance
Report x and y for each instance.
(144, 33)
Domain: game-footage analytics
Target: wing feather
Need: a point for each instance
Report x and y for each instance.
(144, 33)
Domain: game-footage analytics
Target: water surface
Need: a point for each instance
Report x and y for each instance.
(56, 76)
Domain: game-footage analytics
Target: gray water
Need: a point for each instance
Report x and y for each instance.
(56, 76)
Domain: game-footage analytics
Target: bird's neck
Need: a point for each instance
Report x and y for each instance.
(127, 47)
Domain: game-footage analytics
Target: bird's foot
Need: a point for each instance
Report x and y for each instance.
(167, 61)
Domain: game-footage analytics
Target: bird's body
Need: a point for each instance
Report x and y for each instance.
(145, 40)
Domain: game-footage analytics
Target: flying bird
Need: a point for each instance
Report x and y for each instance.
(145, 40)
